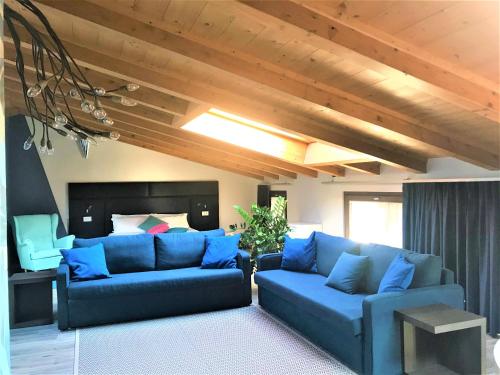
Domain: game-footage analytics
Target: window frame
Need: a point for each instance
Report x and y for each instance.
(367, 196)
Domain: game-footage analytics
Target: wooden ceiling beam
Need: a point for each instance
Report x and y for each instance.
(185, 150)
(194, 110)
(279, 166)
(340, 101)
(233, 169)
(149, 98)
(333, 170)
(372, 167)
(234, 103)
(385, 54)
(158, 132)
(139, 111)
(175, 151)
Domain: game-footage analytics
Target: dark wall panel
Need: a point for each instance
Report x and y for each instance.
(92, 204)
(28, 189)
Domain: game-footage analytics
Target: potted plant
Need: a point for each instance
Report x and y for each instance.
(265, 229)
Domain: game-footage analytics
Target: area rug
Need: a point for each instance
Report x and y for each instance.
(237, 341)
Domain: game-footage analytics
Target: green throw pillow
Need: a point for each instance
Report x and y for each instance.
(177, 230)
(153, 225)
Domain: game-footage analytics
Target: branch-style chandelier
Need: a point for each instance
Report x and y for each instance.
(59, 80)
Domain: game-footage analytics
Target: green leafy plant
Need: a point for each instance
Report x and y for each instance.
(266, 228)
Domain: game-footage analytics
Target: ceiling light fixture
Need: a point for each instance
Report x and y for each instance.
(59, 78)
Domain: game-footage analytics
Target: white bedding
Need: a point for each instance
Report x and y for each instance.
(129, 224)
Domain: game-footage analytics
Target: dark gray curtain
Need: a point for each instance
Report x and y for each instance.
(460, 221)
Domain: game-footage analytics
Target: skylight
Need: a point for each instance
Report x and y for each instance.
(245, 133)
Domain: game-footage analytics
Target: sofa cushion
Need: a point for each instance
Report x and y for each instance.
(398, 276)
(221, 252)
(348, 273)
(299, 254)
(308, 290)
(154, 281)
(328, 250)
(178, 250)
(86, 263)
(134, 253)
(379, 259)
(427, 269)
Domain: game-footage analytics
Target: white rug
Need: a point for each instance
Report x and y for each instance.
(237, 341)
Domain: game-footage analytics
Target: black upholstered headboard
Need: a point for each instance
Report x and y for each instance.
(92, 204)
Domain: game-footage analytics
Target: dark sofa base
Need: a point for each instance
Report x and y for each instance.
(346, 348)
(88, 312)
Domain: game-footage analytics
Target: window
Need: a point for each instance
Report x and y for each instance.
(374, 217)
(273, 196)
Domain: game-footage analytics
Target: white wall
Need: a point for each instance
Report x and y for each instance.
(311, 201)
(116, 161)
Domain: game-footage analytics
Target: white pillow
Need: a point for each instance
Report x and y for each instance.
(128, 223)
(174, 220)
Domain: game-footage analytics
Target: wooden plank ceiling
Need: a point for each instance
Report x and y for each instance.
(397, 82)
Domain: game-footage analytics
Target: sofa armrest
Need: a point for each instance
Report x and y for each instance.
(63, 280)
(382, 341)
(243, 263)
(447, 276)
(64, 242)
(266, 262)
(24, 251)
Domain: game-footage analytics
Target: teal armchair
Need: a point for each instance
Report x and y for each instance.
(37, 243)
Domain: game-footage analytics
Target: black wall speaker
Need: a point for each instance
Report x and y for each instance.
(263, 199)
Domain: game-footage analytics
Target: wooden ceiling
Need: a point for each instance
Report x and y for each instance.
(400, 81)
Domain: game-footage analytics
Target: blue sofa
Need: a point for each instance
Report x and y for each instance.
(151, 277)
(358, 329)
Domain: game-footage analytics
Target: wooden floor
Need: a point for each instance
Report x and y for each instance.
(44, 350)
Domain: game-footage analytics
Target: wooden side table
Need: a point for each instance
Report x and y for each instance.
(438, 339)
(30, 298)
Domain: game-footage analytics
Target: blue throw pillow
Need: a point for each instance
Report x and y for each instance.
(348, 273)
(398, 276)
(299, 254)
(221, 252)
(124, 254)
(181, 250)
(427, 269)
(86, 263)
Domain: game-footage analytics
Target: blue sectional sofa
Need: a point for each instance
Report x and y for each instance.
(359, 329)
(151, 277)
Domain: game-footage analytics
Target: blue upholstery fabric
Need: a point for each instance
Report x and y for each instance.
(322, 331)
(86, 263)
(152, 294)
(299, 254)
(62, 282)
(447, 276)
(310, 292)
(220, 252)
(328, 250)
(367, 340)
(178, 250)
(154, 281)
(379, 259)
(427, 269)
(266, 262)
(348, 273)
(124, 254)
(382, 338)
(213, 233)
(398, 276)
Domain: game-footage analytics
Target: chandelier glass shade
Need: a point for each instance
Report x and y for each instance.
(60, 88)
